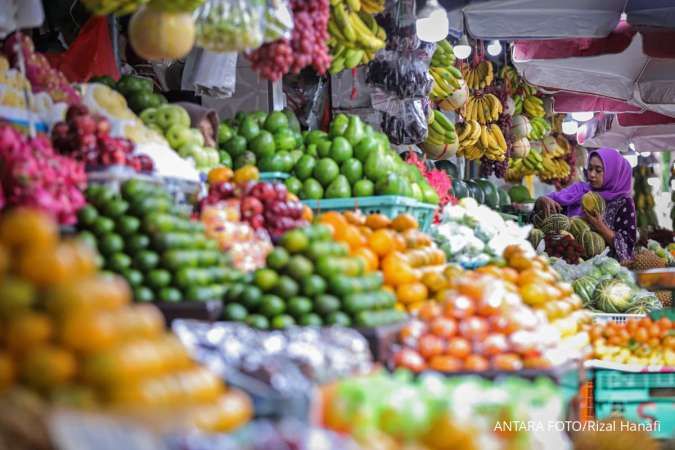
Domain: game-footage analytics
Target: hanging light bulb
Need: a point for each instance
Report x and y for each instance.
(462, 50)
(494, 48)
(432, 24)
(582, 116)
(570, 126)
(631, 146)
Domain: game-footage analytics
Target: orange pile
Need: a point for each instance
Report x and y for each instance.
(68, 332)
(411, 263)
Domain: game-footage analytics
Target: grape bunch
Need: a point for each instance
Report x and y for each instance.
(306, 47)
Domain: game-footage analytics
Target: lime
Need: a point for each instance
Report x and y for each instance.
(146, 260)
(295, 241)
(134, 277)
(135, 244)
(299, 306)
(340, 150)
(293, 185)
(159, 278)
(271, 305)
(277, 258)
(102, 226)
(87, 215)
(311, 320)
(234, 292)
(313, 285)
(300, 267)
(265, 279)
(352, 169)
(338, 318)
(257, 321)
(326, 304)
(319, 232)
(128, 225)
(115, 208)
(89, 239)
(17, 297)
(250, 297)
(235, 312)
(282, 321)
(287, 287)
(143, 294)
(111, 243)
(325, 171)
(118, 262)
(170, 295)
(363, 188)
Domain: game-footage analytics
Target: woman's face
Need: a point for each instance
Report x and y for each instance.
(206, 128)
(596, 172)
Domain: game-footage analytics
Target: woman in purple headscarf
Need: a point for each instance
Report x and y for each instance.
(610, 175)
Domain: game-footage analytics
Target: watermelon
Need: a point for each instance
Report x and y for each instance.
(490, 194)
(644, 304)
(448, 167)
(612, 296)
(592, 243)
(555, 224)
(584, 287)
(475, 191)
(459, 188)
(504, 199)
(610, 266)
(519, 194)
(535, 237)
(593, 203)
(577, 227)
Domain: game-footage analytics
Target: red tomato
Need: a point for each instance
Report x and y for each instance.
(459, 307)
(641, 335)
(490, 305)
(458, 347)
(494, 344)
(409, 359)
(412, 330)
(445, 363)
(500, 324)
(476, 363)
(430, 345)
(665, 323)
(429, 311)
(473, 328)
(506, 362)
(654, 330)
(443, 327)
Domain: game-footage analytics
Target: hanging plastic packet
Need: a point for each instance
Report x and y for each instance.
(278, 21)
(230, 25)
(403, 75)
(404, 121)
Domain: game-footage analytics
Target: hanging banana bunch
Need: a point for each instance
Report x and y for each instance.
(479, 77)
(484, 108)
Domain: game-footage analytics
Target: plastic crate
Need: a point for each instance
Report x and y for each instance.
(618, 318)
(388, 205)
(273, 176)
(641, 397)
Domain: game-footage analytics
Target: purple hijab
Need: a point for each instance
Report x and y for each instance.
(617, 183)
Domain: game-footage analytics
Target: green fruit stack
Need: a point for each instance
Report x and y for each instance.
(138, 91)
(310, 280)
(272, 142)
(143, 236)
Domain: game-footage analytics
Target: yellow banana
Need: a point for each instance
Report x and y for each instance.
(484, 137)
(499, 136)
(354, 5)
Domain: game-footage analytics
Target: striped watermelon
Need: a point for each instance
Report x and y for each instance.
(612, 296)
(555, 224)
(577, 227)
(584, 287)
(645, 305)
(592, 243)
(535, 237)
(593, 203)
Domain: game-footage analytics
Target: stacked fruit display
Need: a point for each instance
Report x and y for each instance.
(355, 36)
(411, 263)
(480, 76)
(533, 107)
(262, 205)
(86, 138)
(146, 238)
(643, 342)
(42, 77)
(173, 122)
(539, 128)
(311, 280)
(442, 141)
(307, 45)
(449, 89)
(33, 174)
(476, 141)
(270, 142)
(70, 333)
(138, 91)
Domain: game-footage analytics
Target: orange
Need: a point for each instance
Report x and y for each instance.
(98, 293)
(404, 222)
(351, 235)
(27, 331)
(413, 308)
(377, 221)
(246, 173)
(445, 363)
(369, 258)
(416, 239)
(58, 265)
(219, 175)
(7, 371)
(510, 275)
(399, 241)
(232, 410)
(88, 331)
(4, 260)
(25, 227)
(429, 311)
(291, 197)
(47, 366)
(335, 220)
(534, 294)
(412, 292)
(355, 217)
(365, 231)
(307, 213)
(434, 281)
(382, 242)
(397, 271)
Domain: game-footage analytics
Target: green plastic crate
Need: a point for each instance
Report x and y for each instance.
(273, 176)
(639, 397)
(388, 205)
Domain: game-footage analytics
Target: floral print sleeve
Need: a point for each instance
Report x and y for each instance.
(620, 216)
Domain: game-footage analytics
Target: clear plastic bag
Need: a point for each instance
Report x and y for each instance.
(230, 25)
(403, 121)
(403, 75)
(278, 20)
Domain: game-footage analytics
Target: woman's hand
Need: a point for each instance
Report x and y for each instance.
(547, 205)
(597, 221)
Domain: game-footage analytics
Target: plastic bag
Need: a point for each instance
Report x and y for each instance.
(230, 25)
(403, 75)
(211, 74)
(403, 121)
(17, 14)
(278, 21)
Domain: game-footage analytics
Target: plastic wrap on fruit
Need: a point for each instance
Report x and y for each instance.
(278, 20)
(230, 25)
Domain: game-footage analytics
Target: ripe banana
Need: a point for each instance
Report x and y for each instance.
(534, 107)
(372, 6)
(480, 76)
(485, 109)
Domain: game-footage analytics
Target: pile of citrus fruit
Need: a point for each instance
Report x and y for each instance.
(69, 332)
(412, 266)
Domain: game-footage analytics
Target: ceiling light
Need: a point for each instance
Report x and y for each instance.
(462, 50)
(582, 116)
(432, 23)
(494, 48)
(570, 126)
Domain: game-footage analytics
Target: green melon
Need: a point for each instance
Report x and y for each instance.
(504, 199)
(593, 203)
(459, 188)
(577, 227)
(555, 224)
(448, 167)
(613, 296)
(519, 194)
(535, 237)
(584, 287)
(645, 305)
(592, 243)
(489, 192)
(475, 192)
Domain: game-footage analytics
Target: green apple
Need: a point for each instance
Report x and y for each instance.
(213, 157)
(168, 115)
(149, 116)
(179, 136)
(197, 136)
(190, 150)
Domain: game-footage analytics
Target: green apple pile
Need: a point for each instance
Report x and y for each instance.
(173, 122)
(138, 91)
(311, 280)
(272, 142)
(143, 236)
